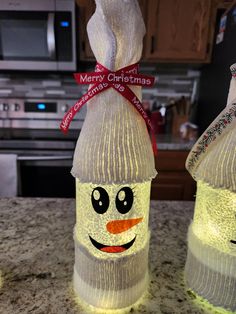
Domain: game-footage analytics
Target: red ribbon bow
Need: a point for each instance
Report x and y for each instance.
(103, 79)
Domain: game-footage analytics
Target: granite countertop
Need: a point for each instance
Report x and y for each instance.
(171, 142)
(164, 142)
(37, 256)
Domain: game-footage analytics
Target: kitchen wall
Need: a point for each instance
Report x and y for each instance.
(170, 85)
(182, 85)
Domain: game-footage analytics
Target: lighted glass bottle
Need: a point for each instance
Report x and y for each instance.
(113, 165)
(211, 262)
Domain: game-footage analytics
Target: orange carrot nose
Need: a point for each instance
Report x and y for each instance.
(118, 226)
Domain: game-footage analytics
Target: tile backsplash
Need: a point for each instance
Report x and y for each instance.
(170, 85)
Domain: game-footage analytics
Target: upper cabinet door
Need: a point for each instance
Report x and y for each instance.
(177, 30)
(86, 10)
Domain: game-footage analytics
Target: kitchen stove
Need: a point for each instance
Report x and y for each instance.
(35, 103)
(37, 114)
(31, 110)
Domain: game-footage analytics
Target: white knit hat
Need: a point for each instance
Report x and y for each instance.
(114, 145)
(213, 157)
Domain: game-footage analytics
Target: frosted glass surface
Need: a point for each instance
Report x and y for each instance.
(91, 224)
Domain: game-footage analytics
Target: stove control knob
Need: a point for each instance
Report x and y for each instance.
(4, 107)
(65, 108)
(15, 107)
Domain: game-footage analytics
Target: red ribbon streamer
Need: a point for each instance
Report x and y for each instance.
(103, 79)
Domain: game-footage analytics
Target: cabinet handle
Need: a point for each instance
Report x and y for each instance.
(152, 44)
(208, 47)
(83, 45)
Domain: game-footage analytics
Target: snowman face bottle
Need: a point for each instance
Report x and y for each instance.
(112, 220)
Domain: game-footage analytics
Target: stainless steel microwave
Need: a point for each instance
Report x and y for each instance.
(37, 35)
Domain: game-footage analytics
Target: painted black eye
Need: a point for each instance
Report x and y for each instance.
(100, 200)
(124, 200)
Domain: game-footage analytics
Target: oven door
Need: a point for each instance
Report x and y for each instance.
(43, 167)
(37, 40)
(45, 176)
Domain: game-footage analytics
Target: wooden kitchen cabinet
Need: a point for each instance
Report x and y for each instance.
(86, 9)
(178, 30)
(172, 182)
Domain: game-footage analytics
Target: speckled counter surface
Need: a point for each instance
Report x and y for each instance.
(37, 256)
(171, 142)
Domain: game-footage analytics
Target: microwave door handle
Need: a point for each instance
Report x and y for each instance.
(51, 35)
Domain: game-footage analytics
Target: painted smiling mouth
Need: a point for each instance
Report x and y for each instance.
(233, 241)
(112, 249)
